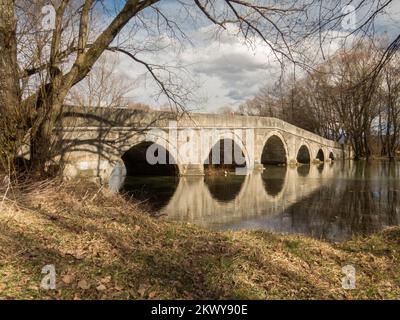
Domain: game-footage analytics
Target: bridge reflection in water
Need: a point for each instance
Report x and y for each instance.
(328, 201)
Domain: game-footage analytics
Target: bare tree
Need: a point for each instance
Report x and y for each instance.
(389, 109)
(226, 110)
(340, 97)
(103, 87)
(267, 103)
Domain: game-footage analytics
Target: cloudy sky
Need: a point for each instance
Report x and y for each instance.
(219, 70)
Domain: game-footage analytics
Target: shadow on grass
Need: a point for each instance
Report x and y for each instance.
(121, 253)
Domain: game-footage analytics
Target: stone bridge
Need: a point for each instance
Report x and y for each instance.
(108, 143)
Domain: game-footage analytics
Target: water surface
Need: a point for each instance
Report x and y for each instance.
(328, 201)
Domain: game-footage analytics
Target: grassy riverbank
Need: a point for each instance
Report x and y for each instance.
(104, 247)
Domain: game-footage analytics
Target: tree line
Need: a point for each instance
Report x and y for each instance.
(342, 99)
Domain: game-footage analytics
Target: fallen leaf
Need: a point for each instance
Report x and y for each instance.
(68, 278)
(152, 294)
(83, 284)
(101, 287)
(79, 255)
(106, 279)
(142, 289)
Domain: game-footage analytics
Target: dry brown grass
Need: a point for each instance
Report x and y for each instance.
(104, 247)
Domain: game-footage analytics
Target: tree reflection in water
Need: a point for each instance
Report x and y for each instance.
(337, 213)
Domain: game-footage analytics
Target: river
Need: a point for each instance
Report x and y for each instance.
(331, 201)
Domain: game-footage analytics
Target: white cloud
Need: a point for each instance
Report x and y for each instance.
(227, 70)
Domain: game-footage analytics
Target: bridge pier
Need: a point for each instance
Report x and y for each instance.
(191, 170)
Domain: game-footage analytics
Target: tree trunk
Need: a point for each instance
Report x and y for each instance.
(40, 145)
(48, 112)
(11, 126)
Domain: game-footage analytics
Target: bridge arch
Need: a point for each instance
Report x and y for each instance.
(331, 155)
(137, 164)
(133, 155)
(219, 141)
(303, 154)
(132, 151)
(274, 150)
(320, 155)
